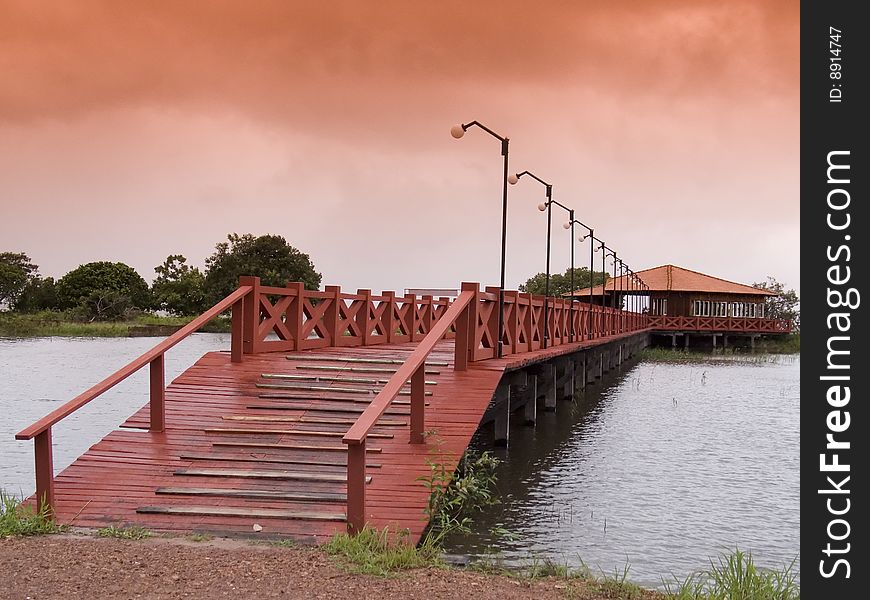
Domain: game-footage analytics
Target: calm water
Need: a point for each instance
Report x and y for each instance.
(667, 465)
(661, 467)
(38, 375)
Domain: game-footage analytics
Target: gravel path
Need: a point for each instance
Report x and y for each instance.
(70, 566)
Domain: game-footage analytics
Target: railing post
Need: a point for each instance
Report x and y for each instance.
(238, 320)
(362, 315)
(356, 487)
(410, 315)
(332, 312)
(389, 315)
(296, 313)
(428, 317)
(418, 405)
(462, 339)
(158, 395)
(44, 472)
(251, 320)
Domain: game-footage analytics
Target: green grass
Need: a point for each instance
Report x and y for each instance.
(735, 576)
(200, 537)
(17, 519)
(381, 552)
(124, 533)
(49, 323)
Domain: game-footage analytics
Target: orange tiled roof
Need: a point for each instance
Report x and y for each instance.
(677, 279)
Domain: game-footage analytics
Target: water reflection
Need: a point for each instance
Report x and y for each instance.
(662, 467)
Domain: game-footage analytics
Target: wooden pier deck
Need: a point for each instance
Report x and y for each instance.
(234, 446)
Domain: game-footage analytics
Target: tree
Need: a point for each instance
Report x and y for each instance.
(560, 284)
(105, 289)
(785, 305)
(178, 288)
(16, 270)
(40, 293)
(268, 257)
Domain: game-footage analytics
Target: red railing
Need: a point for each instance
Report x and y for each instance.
(723, 324)
(474, 318)
(305, 319)
(40, 432)
(413, 369)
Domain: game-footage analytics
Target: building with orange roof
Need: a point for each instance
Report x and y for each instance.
(681, 301)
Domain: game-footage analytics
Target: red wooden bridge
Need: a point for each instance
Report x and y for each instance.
(326, 410)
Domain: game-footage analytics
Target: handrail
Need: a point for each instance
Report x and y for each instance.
(413, 368)
(360, 429)
(121, 374)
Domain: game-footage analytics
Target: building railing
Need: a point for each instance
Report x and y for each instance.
(303, 319)
(723, 324)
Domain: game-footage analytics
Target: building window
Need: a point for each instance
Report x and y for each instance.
(660, 306)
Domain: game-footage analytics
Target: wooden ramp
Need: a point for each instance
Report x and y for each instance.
(259, 442)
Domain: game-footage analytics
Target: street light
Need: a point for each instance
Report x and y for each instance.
(570, 225)
(458, 131)
(544, 206)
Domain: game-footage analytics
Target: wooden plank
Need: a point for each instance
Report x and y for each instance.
(318, 408)
(323, 420)
(319, 378)
(341, 448)
(240, 512)
(271, 459)
(245, 474)
(309, 432)
(268, 494)
(356, 369)
(349, 359)
(319, 388)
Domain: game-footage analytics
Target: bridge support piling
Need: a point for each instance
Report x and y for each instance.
(714, 341)
(530, 410)
(686, 341)
(568, 378)
(502, 422)
(579, 372)
(548, 377)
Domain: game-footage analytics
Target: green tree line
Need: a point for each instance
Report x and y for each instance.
(112, 291)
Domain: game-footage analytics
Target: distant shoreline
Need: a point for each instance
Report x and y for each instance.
(46, 324)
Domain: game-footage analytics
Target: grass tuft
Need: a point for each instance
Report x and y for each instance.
(736, 576)
(381, 552)
(124, 533)
(18, 519)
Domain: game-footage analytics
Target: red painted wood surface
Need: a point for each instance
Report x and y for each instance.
(720, 324)
(124, 471)
(186, 422)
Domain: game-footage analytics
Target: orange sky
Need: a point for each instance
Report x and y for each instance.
(133, 130)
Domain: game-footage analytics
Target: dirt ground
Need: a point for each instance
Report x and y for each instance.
(70, 566)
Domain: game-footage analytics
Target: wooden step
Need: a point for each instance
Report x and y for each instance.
(320, 420)
(318, 378)
(320, 388)
(357, 369)
(371, 361)
(228, 511)
(289, 396)
(240, 431)
(325, 409)
(338, 448)
(264, 494)
(270, 459)
(268, 494)
(282, 475)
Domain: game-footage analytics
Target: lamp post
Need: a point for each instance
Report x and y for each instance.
(603, 248)
(548, 206)
(458, 131)
(570, 225)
